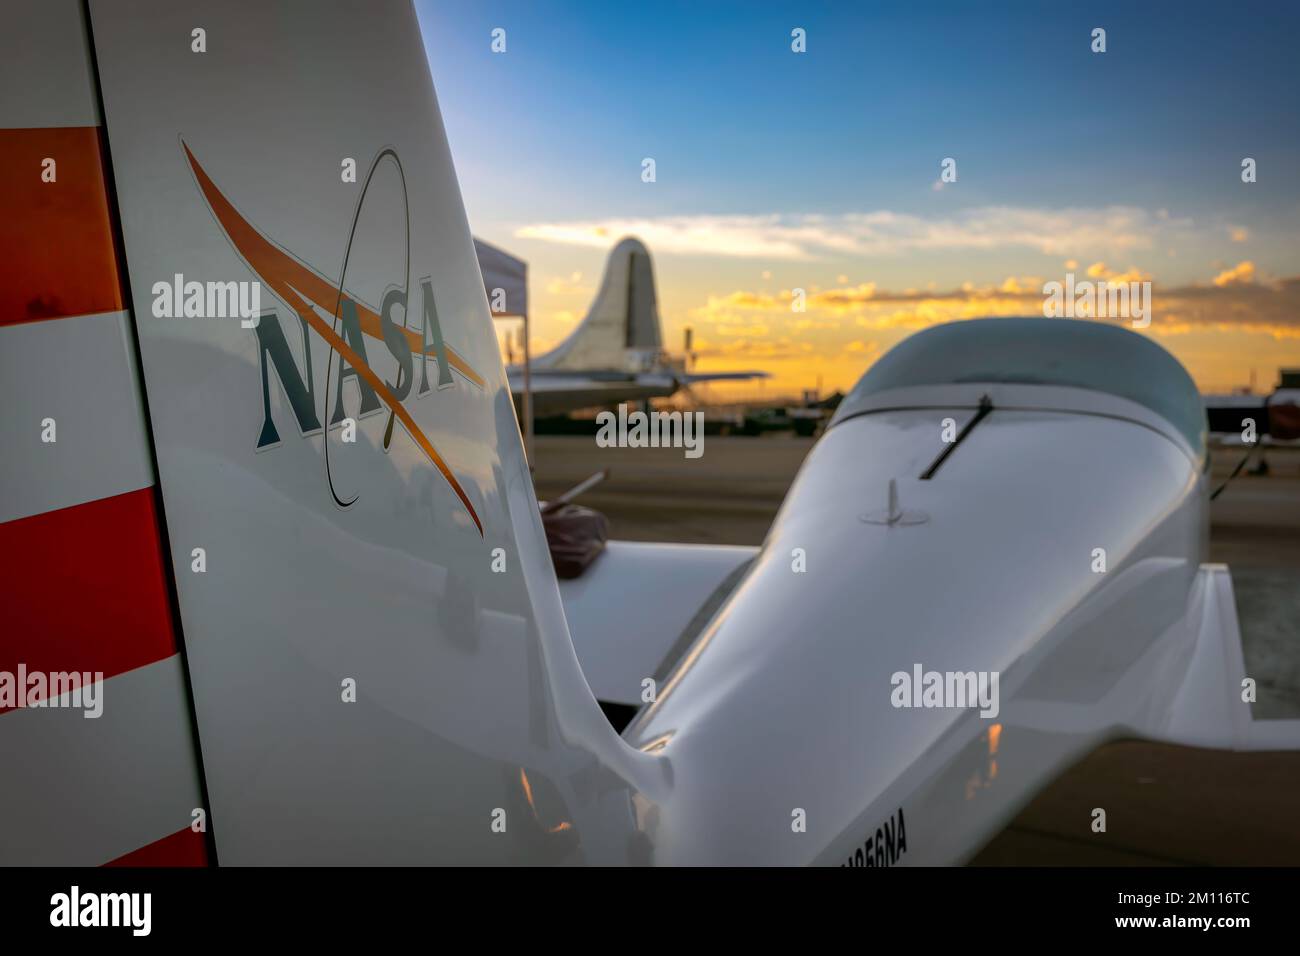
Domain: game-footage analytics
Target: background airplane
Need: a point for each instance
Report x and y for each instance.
(616, 354)
(1276, 415)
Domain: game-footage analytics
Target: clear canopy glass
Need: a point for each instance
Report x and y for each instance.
(1038, 351)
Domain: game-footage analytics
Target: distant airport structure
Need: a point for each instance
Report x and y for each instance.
(615, 355)
(1276, 416)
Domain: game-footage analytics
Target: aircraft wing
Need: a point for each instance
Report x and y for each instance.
(555, 392)
(1207, 710)
(1227, 414)
(691, 377)
(619, 650)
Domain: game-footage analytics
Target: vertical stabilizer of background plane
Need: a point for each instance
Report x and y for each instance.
(622, 328)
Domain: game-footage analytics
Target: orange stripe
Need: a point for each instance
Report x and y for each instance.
(57, 241)
(292, 281)
(85, 588)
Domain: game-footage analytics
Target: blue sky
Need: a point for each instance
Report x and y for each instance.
(1131, 157)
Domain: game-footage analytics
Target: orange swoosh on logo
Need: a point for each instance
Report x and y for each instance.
(293, 281)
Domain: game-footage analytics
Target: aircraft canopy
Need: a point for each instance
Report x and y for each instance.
(1074, 353)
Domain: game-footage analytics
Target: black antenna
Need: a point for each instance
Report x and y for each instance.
(986, 406)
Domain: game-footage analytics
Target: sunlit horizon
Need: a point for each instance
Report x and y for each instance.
(821, 172)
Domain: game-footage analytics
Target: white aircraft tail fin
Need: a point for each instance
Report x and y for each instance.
(624, 317)
(361, 574)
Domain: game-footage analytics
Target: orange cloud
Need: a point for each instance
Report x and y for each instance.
(1235, 301)
(1220, 329)
(1099, 270)
(1242, 272)
(1023, 285)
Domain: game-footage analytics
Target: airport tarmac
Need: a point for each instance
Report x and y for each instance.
(1165, 804)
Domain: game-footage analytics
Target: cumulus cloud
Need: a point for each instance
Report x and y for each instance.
(1242, 272)
(837, 299)
(571, 284)
(1099, 270)
(881, 233)
(734, 329)
(1021, 285)
(1235, 301)
(781, 348)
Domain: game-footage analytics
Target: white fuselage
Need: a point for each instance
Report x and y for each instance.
(785, 702)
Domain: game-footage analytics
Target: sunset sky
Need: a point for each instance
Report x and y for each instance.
(821, 170)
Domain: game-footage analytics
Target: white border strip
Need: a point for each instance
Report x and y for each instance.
(81, 372)
(84, 791)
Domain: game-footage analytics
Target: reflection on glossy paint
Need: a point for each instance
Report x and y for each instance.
(528, 795)
(658, 744)
(684, 666)
(979, 781)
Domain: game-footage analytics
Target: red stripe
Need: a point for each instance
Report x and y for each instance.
(57, 241)
(85, 589)
(182, 848)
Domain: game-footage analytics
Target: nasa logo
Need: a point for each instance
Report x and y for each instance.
(350, 322)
